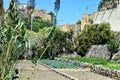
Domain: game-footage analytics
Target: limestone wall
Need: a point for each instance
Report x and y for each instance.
(42, 14)
(95, 68)
(111, 16)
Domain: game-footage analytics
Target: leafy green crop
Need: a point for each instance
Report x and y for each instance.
(59, 64)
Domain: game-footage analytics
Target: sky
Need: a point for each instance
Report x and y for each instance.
(70, 10)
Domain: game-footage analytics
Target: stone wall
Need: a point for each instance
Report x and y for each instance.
(42, 14)
(111, 16)
(96, 68)
(116, 57)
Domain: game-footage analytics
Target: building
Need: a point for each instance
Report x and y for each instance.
(75, 27)
(111, 16)
(68, 27)
(42, 14)
(36, 13)
(87, 19)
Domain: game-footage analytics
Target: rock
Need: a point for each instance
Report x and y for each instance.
(116, 57)
(118, 48)
(99, 51)
(117, 36)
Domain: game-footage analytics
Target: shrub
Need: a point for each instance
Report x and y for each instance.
(70, 46)
(93, 35)
(113, 45)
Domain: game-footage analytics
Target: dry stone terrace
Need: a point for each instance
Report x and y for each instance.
(28, 71)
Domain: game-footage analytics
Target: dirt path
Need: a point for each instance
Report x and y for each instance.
(29, 72)
(40, 72)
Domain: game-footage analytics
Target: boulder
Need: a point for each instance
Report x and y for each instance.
(116, 57)
(118, 48)
(99, 51)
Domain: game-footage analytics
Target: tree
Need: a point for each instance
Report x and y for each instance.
(56, 44)
(53, 20)
(78, 22)
(93, 35)
(69, 45)
(60, 43)
(38, 23)
(113, 45)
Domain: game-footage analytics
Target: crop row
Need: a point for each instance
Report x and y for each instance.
(59, 64)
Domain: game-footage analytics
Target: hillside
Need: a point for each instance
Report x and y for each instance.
(108, 4)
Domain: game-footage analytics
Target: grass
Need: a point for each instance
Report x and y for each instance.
(93, 61)
(114, 67)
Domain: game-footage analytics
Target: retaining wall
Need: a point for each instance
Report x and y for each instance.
(96, 68)
(111, 16)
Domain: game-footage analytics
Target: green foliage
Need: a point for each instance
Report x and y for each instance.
(113, 45)
(41, 41)
(56, 44)
(95, 61)
(70, 46)
(78, 22)
(56, 39)
(38, 23)
(58, 64)
(93, 35)
(102, 3)
(113, 67)
(90, 60)
(53, 18)
(12, 41)
(69, 34)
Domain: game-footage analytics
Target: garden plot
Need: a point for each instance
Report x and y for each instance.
(60, 64)
(74, 71)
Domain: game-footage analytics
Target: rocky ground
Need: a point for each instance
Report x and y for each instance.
(27, 71)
